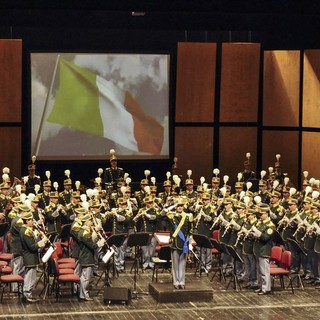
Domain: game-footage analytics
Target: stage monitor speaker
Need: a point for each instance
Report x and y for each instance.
(116, 295)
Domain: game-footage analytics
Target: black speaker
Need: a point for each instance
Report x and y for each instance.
(114, 295)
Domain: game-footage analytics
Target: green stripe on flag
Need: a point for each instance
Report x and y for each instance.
(77, 100)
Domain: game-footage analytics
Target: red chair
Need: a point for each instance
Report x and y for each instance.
(282, 271)
(215, 235)
(7, 279)
(4, 256)
(58, 254)
(275, 257)
(59, 279)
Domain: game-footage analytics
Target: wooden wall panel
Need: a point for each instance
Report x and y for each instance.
(234, 144)
(311, 88)
(285, 143)
(195, 89)
(194, 150)
(239, 82)
(10, 80)
(10, 145)
(281, 88)
(311, 154)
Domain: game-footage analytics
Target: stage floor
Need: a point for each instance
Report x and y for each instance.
(225, 304)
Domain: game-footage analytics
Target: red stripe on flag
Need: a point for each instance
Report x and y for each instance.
(147, 131)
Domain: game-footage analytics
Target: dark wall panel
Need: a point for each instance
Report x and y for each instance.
(239, 82)
(195, 82)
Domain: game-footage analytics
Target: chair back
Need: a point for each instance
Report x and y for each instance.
(165, 253)
(286, 260)
(276, 254)
(58, 251)
(215, 235)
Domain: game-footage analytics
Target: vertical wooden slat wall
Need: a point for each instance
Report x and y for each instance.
(10, 105)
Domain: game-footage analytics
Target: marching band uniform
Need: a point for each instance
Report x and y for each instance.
(276, 210)
(203, 222)
(263, 232)
(44, 198)
(120, 218)
(86, 256)
(113, 174)
(249, 259)
(32, 179)
(149, 216)
(30, 248)
(180, 226)
(65, 195)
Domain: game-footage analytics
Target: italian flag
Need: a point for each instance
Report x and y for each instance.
(86, 102)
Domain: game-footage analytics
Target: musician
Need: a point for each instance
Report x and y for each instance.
(299, 236)
(247, 173)
(276, 210)
(139, 195)
(4, 201)
(149, 216)
(30, 248)
(54, 211)
(238, 189)
(309, 243)
(16, 245)
(204, 215)
(285, 197)
(166, 191)
(44, 197)
(215, 190)
(263, 233)
(180, 225)
(86, 256)
(190, 193)
(120, 218)
(113, 174)
(263, 192)
(32, 179)
(71, 207)
(224, 236)
(247, 240)
(65, 195)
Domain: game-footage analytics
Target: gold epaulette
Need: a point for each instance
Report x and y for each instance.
(2, 196)
(12, 214)
(170, 215)
(77, 226)
(29, 232)
(61, 194)
(87, 233)
(128, 213)
(19, 222)
(190, 217)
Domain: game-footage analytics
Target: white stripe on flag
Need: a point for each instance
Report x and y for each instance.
(117, 122)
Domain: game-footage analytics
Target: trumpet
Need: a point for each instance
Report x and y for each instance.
(139, 215)
(310, 230)
(216, 221)
(198, 217)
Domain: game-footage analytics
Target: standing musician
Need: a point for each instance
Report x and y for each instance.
(180, 225)
(88, 247)
(54, 211)
(113, 174)
(247, 239)
(309, 243)
(263, 233)
(32, 179)
(277, 211)
(30, 249)
(204, 216)
(149, 216)
(65, 195)
(120, 219)
(44, 197)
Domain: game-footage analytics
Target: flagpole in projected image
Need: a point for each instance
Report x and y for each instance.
(39, 136)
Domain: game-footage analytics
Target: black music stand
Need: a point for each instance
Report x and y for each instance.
(202, 241)
(222, 249)
(138, 240)
(117, 241)
(301, 251)
(235, 256)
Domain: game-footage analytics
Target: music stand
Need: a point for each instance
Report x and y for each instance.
(202, 241)
(117, 241)
(300, 251)
(138, 240)
(222, 249)
(234, 254)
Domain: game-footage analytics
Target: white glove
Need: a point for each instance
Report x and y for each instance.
(236, 226)
(224, 222)
(101, 242)
(258, 234)
(55, 214)
(207, 218)
(94, 236)
(273, 215)
(120, 217)
(148, 216)
(190, 246)
(42, 242)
